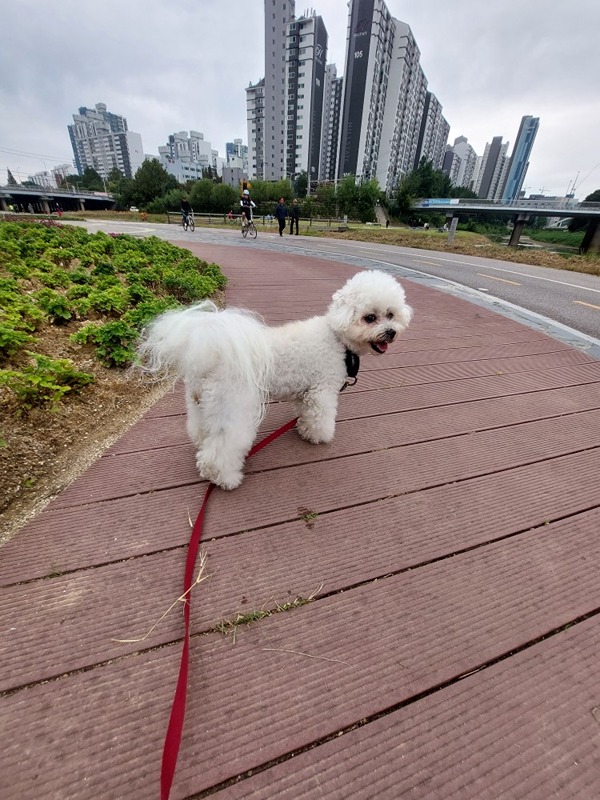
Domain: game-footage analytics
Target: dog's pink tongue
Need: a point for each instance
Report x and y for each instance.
(382, 346)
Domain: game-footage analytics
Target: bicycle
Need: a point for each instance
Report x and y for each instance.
(249, 229)
(187, 221)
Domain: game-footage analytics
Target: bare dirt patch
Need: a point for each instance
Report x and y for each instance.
(44, 450)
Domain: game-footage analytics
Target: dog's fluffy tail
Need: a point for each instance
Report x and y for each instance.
(196, 341)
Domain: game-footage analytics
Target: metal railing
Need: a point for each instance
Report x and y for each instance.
(266, 220)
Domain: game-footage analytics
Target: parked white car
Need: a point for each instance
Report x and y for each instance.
(134, 208)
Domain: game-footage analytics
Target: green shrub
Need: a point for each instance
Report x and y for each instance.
(188, 286)
(45, 382)
(114, 300)
(142, 314)
(12, 339)
(59, 273)
(113, 342)
(56, 306)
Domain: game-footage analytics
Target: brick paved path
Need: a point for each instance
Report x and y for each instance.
(449, 538)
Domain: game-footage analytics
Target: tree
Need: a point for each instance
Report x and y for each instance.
(224, 197)
(301, 184)
(347, 194)
(325, 199)
(91, 180)
(462, 191)
(151, 180)
(368, 194)
(114, 180)
(201, 195)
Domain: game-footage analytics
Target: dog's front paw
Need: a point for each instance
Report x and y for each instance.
(309, 434)
(224, 479)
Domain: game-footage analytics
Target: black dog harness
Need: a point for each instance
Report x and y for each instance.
(352, 367)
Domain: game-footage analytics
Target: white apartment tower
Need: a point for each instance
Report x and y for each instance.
(306, 53)
(266, 100)
(101, 141)
(404, 109)
(468, 158)
(332, 103)
(186, 157)
(255, 115)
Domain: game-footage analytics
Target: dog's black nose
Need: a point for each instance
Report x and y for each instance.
(390, 334)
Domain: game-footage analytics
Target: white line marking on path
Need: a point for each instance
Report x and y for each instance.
(494, 278)
(488, 266)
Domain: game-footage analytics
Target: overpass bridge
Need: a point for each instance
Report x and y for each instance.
(520, 211)
(44, 199)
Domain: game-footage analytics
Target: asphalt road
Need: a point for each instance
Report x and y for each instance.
(571, 299)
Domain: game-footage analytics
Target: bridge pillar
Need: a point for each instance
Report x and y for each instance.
(45, 206)
(3, 204)
(81, 204)
(591, 239)
(520, 221)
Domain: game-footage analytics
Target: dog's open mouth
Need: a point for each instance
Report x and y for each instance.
(379, 347)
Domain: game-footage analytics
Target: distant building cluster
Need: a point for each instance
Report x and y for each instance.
(378, 121)
(494, 175)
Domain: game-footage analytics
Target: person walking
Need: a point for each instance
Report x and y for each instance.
(294, 216)
(281, 213)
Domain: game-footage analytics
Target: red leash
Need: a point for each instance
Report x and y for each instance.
(175, 727)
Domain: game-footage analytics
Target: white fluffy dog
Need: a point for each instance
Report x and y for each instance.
(233, 363)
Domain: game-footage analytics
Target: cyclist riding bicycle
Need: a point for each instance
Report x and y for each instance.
(247, 205)
(186, 208)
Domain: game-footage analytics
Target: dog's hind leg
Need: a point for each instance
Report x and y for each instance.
(230, 417)
(316, 422)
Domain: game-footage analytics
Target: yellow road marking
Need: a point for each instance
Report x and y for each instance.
(494, 278)
(589, 305)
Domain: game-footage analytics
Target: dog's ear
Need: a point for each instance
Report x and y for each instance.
(342, 310)
(405, 313)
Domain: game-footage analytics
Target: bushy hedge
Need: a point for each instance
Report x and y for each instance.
(101, 288)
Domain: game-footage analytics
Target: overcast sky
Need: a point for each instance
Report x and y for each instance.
(169, 66)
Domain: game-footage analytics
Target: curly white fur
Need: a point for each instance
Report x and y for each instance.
(232, 363)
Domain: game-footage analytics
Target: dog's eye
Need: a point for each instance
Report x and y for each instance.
(370, 319)
(389, 315)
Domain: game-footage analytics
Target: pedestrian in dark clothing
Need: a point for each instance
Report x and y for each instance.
(294, 217)
(281, 213)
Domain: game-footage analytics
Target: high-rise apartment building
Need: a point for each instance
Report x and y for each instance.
(369, 46)
(451, 165)
(389, 120)
(468, 157)
(266, 100)
(332, 104)
(187, 157)
(492, 170)
(255, 117)
(403, 110)
(433, 134)
(306, 53)
(102, 141)
(519, 160)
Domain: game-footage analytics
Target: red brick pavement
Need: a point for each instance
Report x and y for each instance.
(448, 538)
